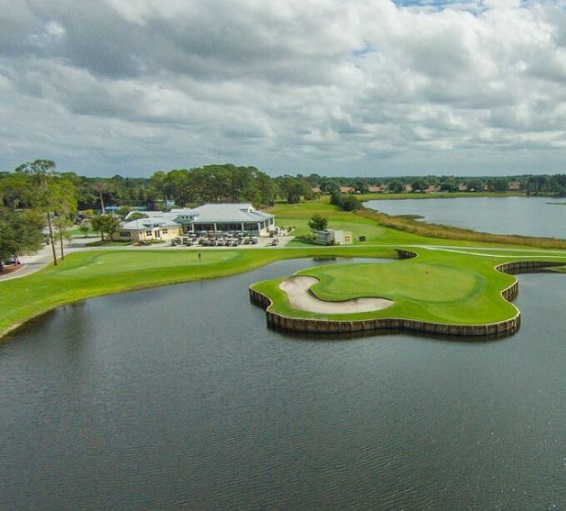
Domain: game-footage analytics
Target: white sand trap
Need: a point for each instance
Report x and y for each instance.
(297, 289)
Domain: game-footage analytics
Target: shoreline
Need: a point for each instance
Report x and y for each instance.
(497, 329)
(32, 265)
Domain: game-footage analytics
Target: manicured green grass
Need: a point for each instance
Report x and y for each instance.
(462, 273)
(298, 215)
(403, 280)
(438, 286)
(98, 272)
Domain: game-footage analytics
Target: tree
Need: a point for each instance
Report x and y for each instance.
(329, 187)
(50, 194)
(178, 186)
(559, 184)
(158, 185)
(20, 233)
(85, 226)
(291, 189)
(265, 189)
(498, 185)
(395, 186)
(14, 190)
(102, 188)
(419, 185)
(345, 201)
(64, 203)
(475, 185)
(537, 184)
(361, 186)
(62, 224)
(350, 203)
(106, 224)
(449, 185)
(318, 222)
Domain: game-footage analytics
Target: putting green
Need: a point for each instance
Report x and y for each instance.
(400, 281)
(439, 287)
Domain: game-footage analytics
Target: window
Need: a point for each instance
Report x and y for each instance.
(164, 231)
(148, 233)
(125, 234)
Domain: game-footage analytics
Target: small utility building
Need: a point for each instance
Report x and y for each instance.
(333, 237)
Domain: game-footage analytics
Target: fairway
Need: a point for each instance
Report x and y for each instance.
(450, 282)
(118, 262)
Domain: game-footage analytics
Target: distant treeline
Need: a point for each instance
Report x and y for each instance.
(527, 183)
(231, 183)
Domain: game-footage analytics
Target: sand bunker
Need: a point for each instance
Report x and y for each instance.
(297, 289)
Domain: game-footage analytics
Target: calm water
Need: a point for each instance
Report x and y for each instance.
(181, 398)
(532, 216)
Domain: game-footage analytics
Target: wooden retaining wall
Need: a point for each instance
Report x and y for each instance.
(278, 321)
(526, 266)
(405, 254)
(499, 329)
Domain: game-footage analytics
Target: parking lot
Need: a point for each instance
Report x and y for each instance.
(207, 240)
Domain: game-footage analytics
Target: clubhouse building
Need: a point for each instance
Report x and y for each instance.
(164, 226)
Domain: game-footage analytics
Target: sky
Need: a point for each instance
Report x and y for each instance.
(374, 88)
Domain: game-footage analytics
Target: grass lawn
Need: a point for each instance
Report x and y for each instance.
(93, 273)
(437, 286)
(298, 215)
(449, 282)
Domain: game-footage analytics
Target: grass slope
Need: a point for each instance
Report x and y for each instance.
(93, 273)
(98, 272)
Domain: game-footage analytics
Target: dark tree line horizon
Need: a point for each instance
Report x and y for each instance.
(231, 183)
(36, 199)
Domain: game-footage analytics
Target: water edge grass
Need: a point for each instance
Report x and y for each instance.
(470, 296)
(95, 273)
(98, 272)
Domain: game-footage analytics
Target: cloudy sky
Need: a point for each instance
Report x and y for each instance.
(337, 87)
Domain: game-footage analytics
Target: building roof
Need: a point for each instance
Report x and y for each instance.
(163, 215)
(154, 219)
(143, 224)
(241, 212)
(208, 213)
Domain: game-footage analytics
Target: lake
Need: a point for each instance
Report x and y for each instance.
(526, 216)
(180, 398)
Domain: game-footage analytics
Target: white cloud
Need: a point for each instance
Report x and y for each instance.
(290, 86)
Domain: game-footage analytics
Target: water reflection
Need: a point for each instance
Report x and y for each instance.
(181, 398)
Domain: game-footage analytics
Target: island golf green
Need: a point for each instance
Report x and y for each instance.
(443, 291)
